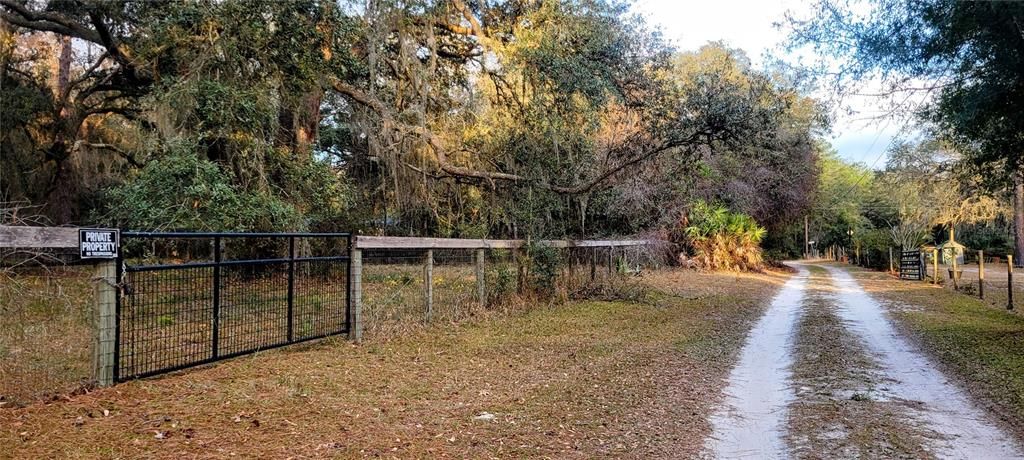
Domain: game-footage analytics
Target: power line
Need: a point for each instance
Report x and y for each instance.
(892, 142)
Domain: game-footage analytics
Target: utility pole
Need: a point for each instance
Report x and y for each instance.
(807, 244)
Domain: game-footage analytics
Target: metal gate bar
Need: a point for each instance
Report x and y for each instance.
(172, 316)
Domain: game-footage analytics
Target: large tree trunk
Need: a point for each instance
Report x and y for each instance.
(1018, 217)
(64, 66)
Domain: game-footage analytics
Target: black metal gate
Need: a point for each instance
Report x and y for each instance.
(187, 299)
(911, 267)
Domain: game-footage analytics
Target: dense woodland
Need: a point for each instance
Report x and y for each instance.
(450, 118)
(460, 118)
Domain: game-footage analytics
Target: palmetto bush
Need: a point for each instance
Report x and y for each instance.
(724, 240)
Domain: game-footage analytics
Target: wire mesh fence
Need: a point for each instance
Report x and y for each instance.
(392, 288)
(986, 277)
(47, 333)
(405, 289)
(978, 274)
(191, 298)
(188, 299)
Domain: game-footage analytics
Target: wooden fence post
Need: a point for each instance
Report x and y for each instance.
(935, 265)
(981, 274)
(106, 321)
(593, 264)
(1009, 282)
(481, 292)
(572, 268)
(611, 262)
(956, 279)
(428, 280)
(355, 329)
(891, 269)
(520, 258)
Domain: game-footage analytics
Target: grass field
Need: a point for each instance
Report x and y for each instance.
(581, 379)
(979, 343)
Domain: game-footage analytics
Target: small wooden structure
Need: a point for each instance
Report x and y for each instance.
(951, 249)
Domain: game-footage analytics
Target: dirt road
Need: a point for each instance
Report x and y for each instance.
(824, 374)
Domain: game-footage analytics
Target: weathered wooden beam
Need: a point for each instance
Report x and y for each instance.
(401, 242)
(67, 237)
(106, 322)
(355, 327)
(38, 237)
(599, 243)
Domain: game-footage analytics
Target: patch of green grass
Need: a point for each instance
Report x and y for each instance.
(165, 320)
(987, 344)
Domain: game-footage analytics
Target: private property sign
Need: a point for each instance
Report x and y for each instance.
(98, 243)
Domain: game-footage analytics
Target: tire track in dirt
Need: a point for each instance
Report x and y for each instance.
(823, 374)
(750, 423)
(958, 428)
(841, 408)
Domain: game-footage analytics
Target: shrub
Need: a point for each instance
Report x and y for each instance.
(503, 276)
(181, 191)
(724, 240)
(543, 264)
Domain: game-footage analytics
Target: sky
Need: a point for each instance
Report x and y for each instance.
(749, 25)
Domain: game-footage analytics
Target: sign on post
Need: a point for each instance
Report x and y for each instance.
(98, 243)
(911, 266)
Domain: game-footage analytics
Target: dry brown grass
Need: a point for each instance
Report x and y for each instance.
(584, 379)
(46, 334)
(46, 330)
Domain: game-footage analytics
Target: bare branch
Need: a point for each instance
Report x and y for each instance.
(123, 154)
(42, 20)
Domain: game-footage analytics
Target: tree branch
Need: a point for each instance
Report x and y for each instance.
(127, 156)
(46, 21)
(446, 166)
(474, 24)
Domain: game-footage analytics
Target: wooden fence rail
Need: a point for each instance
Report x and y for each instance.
(401, 242)
(18, 237)
(38, 237)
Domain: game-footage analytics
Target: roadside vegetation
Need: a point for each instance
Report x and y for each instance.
(445, 119)
(949, 72)
(724, 240)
